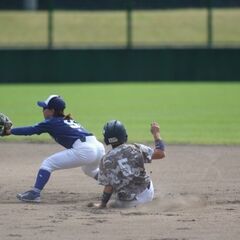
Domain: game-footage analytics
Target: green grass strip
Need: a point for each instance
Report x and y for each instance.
(195, 113)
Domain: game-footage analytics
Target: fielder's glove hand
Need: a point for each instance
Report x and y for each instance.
(5, 124)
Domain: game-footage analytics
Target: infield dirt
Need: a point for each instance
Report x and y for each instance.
(197, 196)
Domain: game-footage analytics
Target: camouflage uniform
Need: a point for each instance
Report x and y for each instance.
(123, 169)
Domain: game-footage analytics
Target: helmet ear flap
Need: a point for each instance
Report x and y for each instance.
(106, 140)
(126, 138)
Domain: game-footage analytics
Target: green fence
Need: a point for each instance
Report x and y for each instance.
(193, 44)
(46, 66)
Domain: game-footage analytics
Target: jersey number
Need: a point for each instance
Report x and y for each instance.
(71, 123)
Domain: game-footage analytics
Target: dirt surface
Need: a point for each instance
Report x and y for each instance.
(197, 196)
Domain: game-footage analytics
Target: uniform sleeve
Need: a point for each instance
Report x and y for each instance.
(147, 153)
(108, 173)
(31, 130)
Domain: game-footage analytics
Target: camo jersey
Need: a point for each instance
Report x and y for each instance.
(123, 169)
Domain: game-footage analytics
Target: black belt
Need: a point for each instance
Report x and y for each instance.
(149, 185)
(83, 138)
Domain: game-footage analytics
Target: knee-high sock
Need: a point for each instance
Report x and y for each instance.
(42, 179)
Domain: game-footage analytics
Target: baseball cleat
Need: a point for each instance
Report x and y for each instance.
(29, 196)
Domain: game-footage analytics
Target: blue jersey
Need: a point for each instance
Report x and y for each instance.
(65, 132)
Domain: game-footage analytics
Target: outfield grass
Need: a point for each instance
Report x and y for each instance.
(197, 113)
(75, 28)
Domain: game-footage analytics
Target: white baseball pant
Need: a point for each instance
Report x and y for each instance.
(86, 155)
(143, 197)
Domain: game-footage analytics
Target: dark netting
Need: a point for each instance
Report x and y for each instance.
(118, 4)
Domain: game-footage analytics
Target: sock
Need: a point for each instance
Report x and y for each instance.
(42, 179)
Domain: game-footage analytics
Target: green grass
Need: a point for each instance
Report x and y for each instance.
(162, 27)
(196, 113)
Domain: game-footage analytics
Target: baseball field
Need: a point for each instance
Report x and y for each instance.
(196, 185)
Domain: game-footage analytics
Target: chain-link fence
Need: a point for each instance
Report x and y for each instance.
(119, 23)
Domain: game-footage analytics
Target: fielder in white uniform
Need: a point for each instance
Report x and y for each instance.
(82, 148)
(122, 170)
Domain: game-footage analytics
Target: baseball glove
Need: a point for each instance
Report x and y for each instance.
(5, 124)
